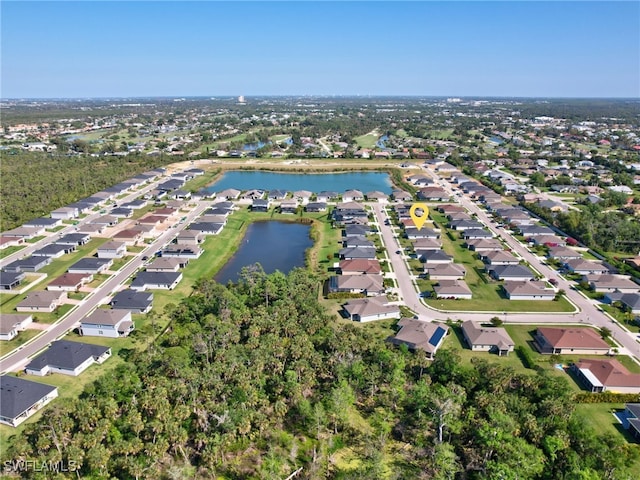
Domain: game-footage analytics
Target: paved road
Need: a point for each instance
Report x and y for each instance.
(18, 358)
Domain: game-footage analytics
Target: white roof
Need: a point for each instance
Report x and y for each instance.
(591, 377)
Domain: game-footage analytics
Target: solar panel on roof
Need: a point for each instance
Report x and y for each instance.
(437, 336)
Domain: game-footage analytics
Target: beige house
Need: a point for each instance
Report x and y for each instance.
(585, 341)
(420, 335)
(606, 375)
(487, 339)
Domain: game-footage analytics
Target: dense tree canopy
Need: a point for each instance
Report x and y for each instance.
(33, 184)
(257, 381)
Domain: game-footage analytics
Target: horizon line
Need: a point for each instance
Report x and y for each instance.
(320, 95)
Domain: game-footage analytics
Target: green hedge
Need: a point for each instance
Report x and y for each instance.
(525, 356)
(607, 397)
(336, 295)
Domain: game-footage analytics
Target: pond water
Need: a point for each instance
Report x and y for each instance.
(381, 141)
(316, 182)
(275, 245)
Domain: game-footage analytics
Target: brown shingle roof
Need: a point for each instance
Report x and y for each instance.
(572, 337)
(610, 372)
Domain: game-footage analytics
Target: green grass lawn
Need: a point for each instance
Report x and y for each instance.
(21, 339)
(368, 140)
(118, 263)
(10, 250)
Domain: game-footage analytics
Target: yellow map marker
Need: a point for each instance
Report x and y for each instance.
(419, 220)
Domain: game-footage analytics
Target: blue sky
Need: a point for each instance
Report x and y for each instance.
(126, 49)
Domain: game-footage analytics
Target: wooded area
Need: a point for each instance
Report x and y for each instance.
(33, 183)
(257, 380)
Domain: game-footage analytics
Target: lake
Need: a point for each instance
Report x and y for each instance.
(275, 245)
(315, 182)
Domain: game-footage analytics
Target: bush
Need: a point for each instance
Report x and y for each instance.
(340, 295)
(525, 355)
(606, 397)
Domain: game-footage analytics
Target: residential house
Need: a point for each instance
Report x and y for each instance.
(112, 249)
(607, 374)
(528, 291)
(302, 196)
(549, 241)
(259, 205)
(570, 341)
(433, 194)
(352, 196)
(356, 252)
(6, 242)
(107, 323)
(500, 257)
(128, 236)
(28, 264)
(26, 233)
(511, 273)
(356, 230)
(191, 237)
(370, 309)
(327, 196)
(316, 207)
(448, 271)
(586, 267)
(289, 206)
(11, 280)
(70, 282)
(484, 245)
(91, 265)
(401, 196)
(133, 301)
(11, 324)
(361, 242)
(20, 398)
(369, 285)
(632, 424)
(359, 266)
(121, 212)
(487, 339)
(413, 233)
(41, 301)
(67, 358)
(476, 234)
(182, 251)
(43, 222)
(435, 257)
(452, 289)
(564, 253)
(167, 264)
(463, 225)
(612, 283)
(420, 335)
(65, 213)
(228, 194)
(208, 228)
(75, 239)
(54, 251)
(156, 280)
(376, 196)
(420, 245)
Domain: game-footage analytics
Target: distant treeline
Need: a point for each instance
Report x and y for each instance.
(33, 184)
